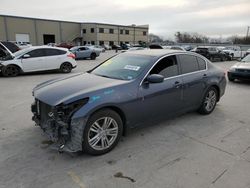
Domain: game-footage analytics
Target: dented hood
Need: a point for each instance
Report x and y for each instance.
(69, 89)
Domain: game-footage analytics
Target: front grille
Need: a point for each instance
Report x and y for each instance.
(243, 70)
(44, 110)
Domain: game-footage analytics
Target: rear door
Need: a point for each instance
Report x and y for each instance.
(35, 62)
(194, 76)
(54, 58)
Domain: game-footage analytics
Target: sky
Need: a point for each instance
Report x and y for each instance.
(213, 18)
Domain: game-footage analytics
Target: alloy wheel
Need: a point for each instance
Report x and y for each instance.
(210, 100)
(103, 133)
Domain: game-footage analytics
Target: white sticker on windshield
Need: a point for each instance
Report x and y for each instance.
(132, 67)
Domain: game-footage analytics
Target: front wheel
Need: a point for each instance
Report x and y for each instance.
(102, 132)
(10, 71)
(66, 68)
(209, 101)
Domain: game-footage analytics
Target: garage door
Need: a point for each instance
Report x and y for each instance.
(22, 37)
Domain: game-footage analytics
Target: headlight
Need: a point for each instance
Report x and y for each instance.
(64, 112)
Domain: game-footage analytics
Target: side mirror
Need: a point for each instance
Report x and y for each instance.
(25, 56)
(155, 78)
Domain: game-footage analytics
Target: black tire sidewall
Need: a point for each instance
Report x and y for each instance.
(93, 56)
(97, 115)
(8, 66)
(62, 69)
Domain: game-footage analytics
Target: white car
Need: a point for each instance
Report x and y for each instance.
(42, 58)
(234, 51)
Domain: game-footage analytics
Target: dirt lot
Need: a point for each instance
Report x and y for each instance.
(191, 151)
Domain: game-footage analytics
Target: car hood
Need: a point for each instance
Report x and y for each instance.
(69, 89)
(241, 66)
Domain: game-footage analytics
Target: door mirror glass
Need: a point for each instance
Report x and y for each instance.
(25, 56)
(155, 78)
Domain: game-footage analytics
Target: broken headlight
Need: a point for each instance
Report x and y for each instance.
(64, 112)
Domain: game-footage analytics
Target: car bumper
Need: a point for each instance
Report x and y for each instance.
(66, 137)
(239, 75)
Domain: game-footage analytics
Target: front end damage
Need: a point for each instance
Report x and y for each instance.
(56, 121)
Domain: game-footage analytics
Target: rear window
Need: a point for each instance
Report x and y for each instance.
(188, 63)
(201, 63)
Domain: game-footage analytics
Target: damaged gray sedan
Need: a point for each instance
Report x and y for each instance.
(91, 111)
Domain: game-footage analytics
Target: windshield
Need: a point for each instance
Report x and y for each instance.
(246, 59)
(123, 66)
(21, 52)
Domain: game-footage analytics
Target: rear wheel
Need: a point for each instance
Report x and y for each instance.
(102, 132)
(209, 101)
(93, 56)
(66, 67)
(230, 79)
(10, 71)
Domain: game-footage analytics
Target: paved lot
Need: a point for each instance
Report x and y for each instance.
(191, 151)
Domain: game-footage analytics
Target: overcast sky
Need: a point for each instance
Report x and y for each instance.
(216, 18)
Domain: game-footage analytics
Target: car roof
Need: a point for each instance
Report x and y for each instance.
(156, 52)
(50, 47)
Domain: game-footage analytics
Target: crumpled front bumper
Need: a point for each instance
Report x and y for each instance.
(66, 137)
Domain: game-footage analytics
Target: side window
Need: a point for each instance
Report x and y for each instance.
(37, 53)
(166, 67)
(52, 52)
(201, 63)
(82, 49)
(188, 63)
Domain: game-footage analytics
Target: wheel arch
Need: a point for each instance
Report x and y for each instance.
(17, 66)
(217, 89)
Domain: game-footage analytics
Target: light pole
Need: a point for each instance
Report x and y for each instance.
(248, 27)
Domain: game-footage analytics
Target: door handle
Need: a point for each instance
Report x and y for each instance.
(204, 75)
(177, 84)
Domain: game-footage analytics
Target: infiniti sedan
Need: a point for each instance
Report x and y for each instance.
(91, 111)
(240, 70)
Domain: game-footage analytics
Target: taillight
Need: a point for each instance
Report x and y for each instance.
(71, 55)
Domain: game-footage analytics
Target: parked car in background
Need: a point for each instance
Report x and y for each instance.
(83, 52)
(240, 70)
(212, 53)
(98, 48)
(247, 52)
(125, 46)
(65, 45)
(155, 46)
(22, 45)
(10, 45)
(91, 111)
(134, 48)
(116, 47)
(38, 59)
(234, 52)
(174, 48)
(107, 47)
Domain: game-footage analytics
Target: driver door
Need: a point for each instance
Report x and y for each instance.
(165, 98)
(35, 61)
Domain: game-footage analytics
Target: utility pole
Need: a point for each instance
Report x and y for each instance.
(248, 27)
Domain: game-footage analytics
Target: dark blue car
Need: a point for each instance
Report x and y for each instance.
(91, 111)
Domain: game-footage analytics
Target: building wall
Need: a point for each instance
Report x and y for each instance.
(2, 29)
(68, 31)
(135, 34)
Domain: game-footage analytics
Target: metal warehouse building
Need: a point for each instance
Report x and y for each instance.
(43, 31)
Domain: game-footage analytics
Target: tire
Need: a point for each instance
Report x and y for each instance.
(96, 140)
(209, 101)
(66, 68)
(93, 56)
(230, 79)
(10, 71)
